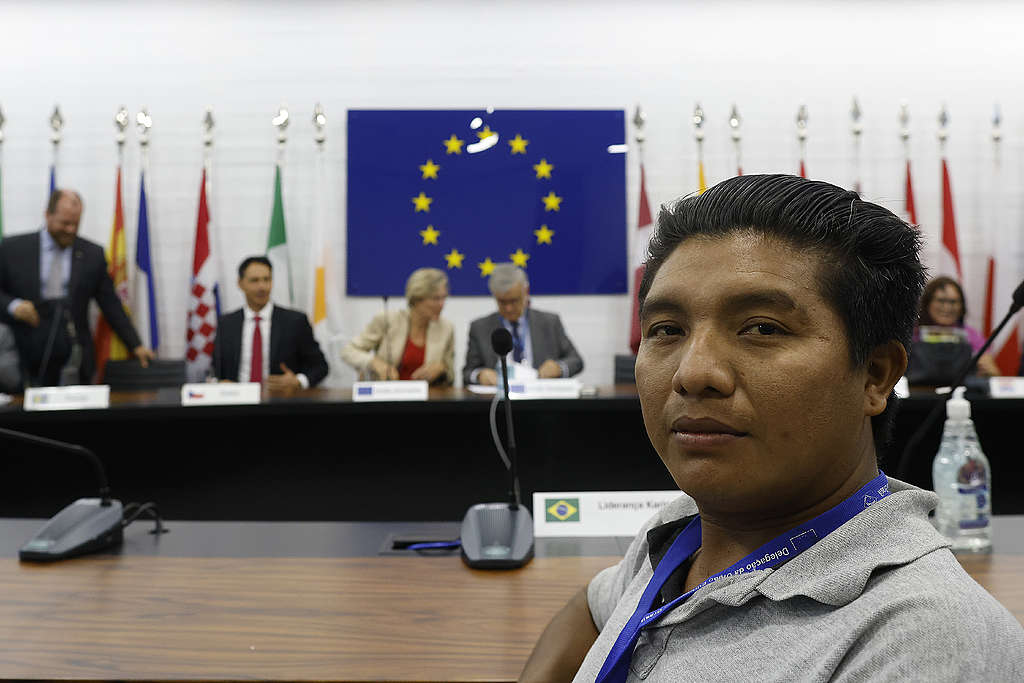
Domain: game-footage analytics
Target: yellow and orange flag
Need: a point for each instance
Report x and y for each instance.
(108, 345)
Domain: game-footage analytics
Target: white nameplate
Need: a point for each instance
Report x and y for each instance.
(84, 397)
(544, 388)
(396, 390)
(596, 513)
(220, 393)
(1006, 387)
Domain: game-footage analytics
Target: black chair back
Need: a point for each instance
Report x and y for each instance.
(129, 375)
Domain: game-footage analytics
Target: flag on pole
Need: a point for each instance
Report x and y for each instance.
(803, 168)
(204, 302)
(277, 247)
(324, 305)
(644, 227)
(949, 255)
(144, 296)
(908, 192)
(702, 183)
(53, 178)
(1005, 348)
(108, 345)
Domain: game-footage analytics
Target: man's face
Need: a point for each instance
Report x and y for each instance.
(62, 224)
(256, 283)
(745, 379)
(512, 302)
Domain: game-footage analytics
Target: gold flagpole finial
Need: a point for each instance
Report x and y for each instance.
(855, 115)
(56, 125)
(280, 121)
(208, 128)
(120, 123)
(639, 120)
(319, 123)
(143, 122)
(801, 123)
(943, 124)
(734, 123)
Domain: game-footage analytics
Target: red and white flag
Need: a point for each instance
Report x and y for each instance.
(644, 227)
(908, 193)
(949, 253)
(204, 302)
(1000, 281)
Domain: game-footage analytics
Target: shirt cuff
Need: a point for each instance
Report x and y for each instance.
(11, 306)
(474, 376)
(565, 367)
(303, 380)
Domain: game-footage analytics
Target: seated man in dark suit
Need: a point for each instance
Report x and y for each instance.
(539, 339)
(46, 281)
(263, 342)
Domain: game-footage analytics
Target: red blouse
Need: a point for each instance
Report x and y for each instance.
(412, 359)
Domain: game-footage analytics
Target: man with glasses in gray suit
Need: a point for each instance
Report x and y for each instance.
(539, 340)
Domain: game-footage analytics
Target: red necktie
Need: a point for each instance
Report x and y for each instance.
(256, 368)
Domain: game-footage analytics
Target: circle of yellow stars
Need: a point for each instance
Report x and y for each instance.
(429, 171)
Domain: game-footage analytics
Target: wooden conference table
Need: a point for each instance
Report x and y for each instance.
(316, 455)
(231, 601)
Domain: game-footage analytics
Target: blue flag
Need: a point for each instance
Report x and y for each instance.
(145, 291)
(463, 190)
(53, 179)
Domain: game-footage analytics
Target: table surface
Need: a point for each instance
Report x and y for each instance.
(304, 601)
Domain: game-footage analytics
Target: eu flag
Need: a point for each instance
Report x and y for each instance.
(463, 190)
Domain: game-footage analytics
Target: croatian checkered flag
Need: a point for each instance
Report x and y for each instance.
(204, 300)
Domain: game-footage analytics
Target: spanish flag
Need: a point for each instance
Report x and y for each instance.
(108, 345)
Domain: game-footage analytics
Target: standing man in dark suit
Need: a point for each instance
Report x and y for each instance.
(261, 338)
(538, 337)
(46, 280)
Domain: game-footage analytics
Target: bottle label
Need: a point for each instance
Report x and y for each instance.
(975, 501)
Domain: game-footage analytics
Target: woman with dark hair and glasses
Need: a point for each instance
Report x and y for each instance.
(943, 304)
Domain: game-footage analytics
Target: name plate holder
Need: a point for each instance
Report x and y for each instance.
(1006, 387)
(395, 390)
(595, 513)
(76, 397)
(220, 394)
(544, 388)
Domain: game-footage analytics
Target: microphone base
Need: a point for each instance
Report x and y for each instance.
(83, 527)
(494, 536)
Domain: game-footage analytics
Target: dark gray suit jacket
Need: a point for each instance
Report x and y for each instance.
(547, 337)
(19, 279)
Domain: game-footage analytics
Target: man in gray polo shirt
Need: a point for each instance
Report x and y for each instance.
(776, 313)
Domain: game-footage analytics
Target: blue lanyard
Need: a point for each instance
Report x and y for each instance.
(780, 549)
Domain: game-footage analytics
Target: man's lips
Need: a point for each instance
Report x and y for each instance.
(704, 431)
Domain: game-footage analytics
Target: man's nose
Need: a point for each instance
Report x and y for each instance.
(703, 367)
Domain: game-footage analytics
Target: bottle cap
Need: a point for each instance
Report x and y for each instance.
(958, 407)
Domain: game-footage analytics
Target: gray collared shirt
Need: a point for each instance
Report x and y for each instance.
(880, 598)
(48, 250)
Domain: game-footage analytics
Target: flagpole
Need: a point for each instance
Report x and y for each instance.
(56, 132)
(801, 136)
(734, 125)
(1, 173)
(856, 129)
(698, 134)
(280, 122)
(212, 235)
(318, 290)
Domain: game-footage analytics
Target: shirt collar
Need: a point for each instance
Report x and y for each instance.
(48, 243)
(264, 313)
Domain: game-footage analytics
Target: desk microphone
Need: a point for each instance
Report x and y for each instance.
(500, 535)
(915, 438)
(85, 526)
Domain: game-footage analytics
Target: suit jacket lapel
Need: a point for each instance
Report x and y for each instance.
(36, 282)
(276, 330)
(76, 267)
(232, 351)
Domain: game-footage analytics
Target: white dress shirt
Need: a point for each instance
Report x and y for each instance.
(248, 328)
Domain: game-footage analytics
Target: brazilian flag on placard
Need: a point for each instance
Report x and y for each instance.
(561, 509)
(463, 190)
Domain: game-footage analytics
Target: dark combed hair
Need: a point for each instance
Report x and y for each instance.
(56, 196)
(251, 260)
(930, 290)
(871, 270)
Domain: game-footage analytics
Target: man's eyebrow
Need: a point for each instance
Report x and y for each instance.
(761, 298)
(657, 304)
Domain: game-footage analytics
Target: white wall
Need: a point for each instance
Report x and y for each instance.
(244, 59)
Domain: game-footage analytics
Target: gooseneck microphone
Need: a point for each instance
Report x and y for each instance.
(500, 535)
(904, 464)
(85, 526)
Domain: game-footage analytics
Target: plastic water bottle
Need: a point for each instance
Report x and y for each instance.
(961, 476)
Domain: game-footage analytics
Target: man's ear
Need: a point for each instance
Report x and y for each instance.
(885, 365)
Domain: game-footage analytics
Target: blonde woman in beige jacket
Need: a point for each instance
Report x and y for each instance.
(412, 343)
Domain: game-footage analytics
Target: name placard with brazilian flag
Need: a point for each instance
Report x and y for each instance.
(462, 190)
